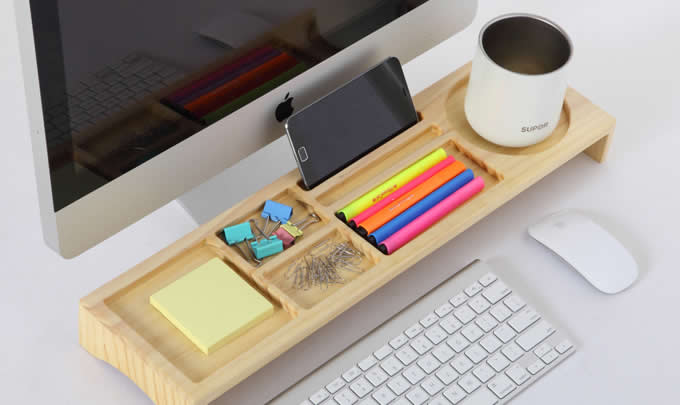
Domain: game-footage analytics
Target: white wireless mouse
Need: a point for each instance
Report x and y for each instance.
(590, 249)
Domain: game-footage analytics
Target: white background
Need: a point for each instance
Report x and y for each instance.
(626, 61)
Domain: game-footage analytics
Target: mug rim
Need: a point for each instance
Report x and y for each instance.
(480, 42)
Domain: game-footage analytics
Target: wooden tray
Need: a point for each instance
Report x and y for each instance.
(118, 325)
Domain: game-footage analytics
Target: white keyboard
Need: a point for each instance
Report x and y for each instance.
(479, 346)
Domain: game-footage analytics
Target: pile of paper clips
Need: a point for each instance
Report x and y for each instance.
(324, 264)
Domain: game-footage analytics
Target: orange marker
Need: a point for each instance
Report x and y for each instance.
(404, 202)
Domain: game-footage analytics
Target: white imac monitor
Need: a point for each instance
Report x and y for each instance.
(134, 103)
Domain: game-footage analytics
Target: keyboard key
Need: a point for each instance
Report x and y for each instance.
(413, 331)
(450, 324)
(481, 397)
(462, 364)
(398, 341)
(383, 352)
(376, 376)
(361, 387)
(486, 322)
(428, 363)
(535, 335)
(443, 353)
(346, 397)
(432, 386)
(436, 335)
(500, 312)
(490, 343)
(514, 302)
(439, 401)
(384, 396)
(524, 319)
(399, 385)
(472, 333)
(444, 310)
(407, 355)
(476, 353)
(487, 279)
(319, 397)
(542, 350)
(391, 366)
(535, 367)
(367, 363)
(458, 300)
(550, 357)
(458, 343)
(496, 292)
(454, 394)
(464, 314)
(479, 304)
(504, 333)
(414, 374)
(421, 345)
(512, 352)
(351, 374)
(501, 386)
(429, 320)
(517, 374)
(367, 401)
(563, 346)
(306, 402)
(335, 385)
(447, 375)
(473, 289)
(402, 401)
(469, 383)
(484, 373)
(417, 396)
(498, 362)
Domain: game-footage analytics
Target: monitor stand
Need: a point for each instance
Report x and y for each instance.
(253, 173)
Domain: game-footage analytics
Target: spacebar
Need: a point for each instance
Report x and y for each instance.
(481, 397)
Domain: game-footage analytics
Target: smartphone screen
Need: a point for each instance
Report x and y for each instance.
(350, 122)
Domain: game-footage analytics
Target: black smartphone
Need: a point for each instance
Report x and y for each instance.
(350, 122)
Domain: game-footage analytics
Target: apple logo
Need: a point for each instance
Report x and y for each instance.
(285, 109)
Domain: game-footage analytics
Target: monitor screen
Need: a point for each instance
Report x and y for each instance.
(122, 81)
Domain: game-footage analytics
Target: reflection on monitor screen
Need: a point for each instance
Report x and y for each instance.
(122, 81)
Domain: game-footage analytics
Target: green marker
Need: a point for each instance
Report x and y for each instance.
(365, 201)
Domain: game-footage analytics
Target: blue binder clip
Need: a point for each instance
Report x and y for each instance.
(274, 211)
(237, 234)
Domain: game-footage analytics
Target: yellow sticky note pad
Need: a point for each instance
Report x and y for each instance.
(212, 305)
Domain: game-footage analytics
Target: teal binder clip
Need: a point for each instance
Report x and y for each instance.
(267, 246)
(238, 233)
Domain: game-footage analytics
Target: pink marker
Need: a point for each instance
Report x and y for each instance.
(368, 212)
(439, 211)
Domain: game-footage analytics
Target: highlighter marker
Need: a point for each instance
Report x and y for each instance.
(439, 211)
(362, 203)
(424, 205)
(410, 199)
(400, 192)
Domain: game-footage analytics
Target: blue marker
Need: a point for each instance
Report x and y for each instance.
(421, 207)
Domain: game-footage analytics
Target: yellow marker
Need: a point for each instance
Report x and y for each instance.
(212, 305)
(365, 201)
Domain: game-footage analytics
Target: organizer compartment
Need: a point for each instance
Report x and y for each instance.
(293, 197)
(132, 306)
(282, 275)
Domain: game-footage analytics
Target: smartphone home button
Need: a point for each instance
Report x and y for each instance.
(302, 153)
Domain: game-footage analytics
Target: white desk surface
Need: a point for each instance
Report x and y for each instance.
(626, 61)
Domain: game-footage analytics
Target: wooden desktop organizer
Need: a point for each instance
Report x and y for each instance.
(118, 325)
